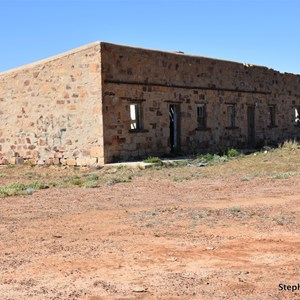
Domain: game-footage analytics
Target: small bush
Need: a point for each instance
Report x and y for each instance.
(29, 164)
(179, 179)
(291, 145)
(208, 156)
(219, 159)
(234, 209)
(211, 159)
(281, 175)
(18, 188)
(246, 178)
(153, 160)
(37, 185)
(90, 184)
(118, 180)
(91, 176)
(11, 189)
(10, 166)
(73, 180)
(232, 153)
(87, 180)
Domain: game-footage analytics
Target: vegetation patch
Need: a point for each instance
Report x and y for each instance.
(154, 160)
(18, 188)
(291, 145)
(212, 159)
(282, 175)
(115, 180)
(86, 181)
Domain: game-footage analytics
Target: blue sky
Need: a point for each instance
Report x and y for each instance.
(262, 32)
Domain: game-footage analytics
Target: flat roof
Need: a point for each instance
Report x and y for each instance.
(51, 58)
(82, 48)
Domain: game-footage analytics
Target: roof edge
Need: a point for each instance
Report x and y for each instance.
(179, 53)
(51, 58)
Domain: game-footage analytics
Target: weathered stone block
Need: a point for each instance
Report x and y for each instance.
(86, 161)
(96, 151)
(63, 161)
(56, 161)
(58, 155)
(11, 160)
(19, 160)
(71, 162)
(4, 161)
(49, 161)
(41, 162)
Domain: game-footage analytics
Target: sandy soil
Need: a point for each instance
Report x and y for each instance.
(153, 239)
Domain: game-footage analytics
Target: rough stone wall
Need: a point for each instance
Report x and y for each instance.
(51, 111)
(157, 79)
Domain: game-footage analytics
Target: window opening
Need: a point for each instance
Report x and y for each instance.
(135, 116)
(297, 116)
(201, 115)
(271, 115)
(231, 115)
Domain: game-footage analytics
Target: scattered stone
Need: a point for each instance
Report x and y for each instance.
(172, 259)
(210, 248)
(95, 167)
(139, 289)
(19, 160)
(57, 236)
(200, 164)
(29, 191)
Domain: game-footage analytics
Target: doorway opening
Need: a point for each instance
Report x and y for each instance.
(251, 125)
(174, 127)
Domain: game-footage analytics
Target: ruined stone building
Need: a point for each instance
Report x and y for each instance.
(103, 102)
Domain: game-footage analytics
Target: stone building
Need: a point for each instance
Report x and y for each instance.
(103, 102)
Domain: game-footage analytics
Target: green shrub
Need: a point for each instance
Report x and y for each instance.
(232, 153)
(291, 145)
(115, 180)
(90, 184)
(153, 160)
(18, 188)
(208, 156)
(37, 185)
(87, 180)
(73, 180)
(91, 176)
(282, 175)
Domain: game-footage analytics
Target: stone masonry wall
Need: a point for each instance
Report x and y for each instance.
(74, 108)
(50, 111)
(157, 79)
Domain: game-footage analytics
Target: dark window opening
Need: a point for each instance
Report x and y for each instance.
(174, 112)
(272, 116)
(231, 115)
(201, 116)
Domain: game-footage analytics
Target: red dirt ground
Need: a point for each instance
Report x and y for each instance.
(153, 239)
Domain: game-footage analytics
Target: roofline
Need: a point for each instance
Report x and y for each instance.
(87, 46)
(179, 53)
(51, 58)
